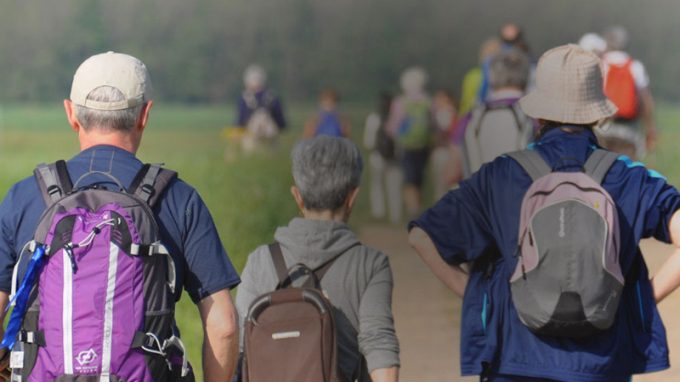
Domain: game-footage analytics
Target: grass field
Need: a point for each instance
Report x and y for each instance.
(248, 197)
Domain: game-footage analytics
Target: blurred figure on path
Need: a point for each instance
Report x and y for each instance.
(633, 130)
(498, 125)
(445, 162)
(328, 120)
(410, 122)
(470, 92)
(593, 42)
(355, 278)
(259, 109)
(532, 311)
(385, 170)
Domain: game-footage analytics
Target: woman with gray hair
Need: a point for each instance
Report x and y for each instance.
(327, 171)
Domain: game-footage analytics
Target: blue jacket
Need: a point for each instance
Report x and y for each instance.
(248, 103)
(479, 222)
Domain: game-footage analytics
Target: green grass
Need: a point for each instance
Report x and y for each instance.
(248, 198)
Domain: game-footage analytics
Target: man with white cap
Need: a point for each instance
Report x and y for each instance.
(479, 224)
(108, 109)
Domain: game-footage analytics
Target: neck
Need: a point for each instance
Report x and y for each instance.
(93, 138)
(337, 216)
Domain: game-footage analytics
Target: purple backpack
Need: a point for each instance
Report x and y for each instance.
(568, 280)
(101, 307)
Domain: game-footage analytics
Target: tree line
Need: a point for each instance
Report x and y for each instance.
(197, 50)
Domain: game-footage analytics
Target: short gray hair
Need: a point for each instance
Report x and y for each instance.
(326, 169)
(509, 69)
(107, 120)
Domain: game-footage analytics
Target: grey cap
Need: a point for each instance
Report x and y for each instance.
(121, 71)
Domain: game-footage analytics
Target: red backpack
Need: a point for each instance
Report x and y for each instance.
(620, 88)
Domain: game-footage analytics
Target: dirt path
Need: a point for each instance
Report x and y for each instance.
(427, 315)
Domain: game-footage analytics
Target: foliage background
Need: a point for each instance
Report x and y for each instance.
(197, 50)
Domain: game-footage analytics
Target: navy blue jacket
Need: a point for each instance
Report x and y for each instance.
(479, 223)
(262, 99)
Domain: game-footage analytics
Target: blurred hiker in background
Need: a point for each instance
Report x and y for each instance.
(385, 170)
(259, 109)
(473, 79)
(498, 125)
(445, 165)
(632, 131)
(328, 120)
(410, 122)
(593, 42)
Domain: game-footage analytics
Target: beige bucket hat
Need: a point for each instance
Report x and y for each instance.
(569, 88)
(118, 70)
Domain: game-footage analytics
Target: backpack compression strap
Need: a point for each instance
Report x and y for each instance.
(532, 162)
(150, 183)
(53, 181)
(599, 163)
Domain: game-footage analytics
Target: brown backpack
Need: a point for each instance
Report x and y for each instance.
(290, 332)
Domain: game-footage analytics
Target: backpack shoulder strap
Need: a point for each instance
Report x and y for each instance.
(286, 278)
(279, 263)
(532, 162)
(478, 118)
(150, 182)
(320, 272)
(599, 163)
(53, 180)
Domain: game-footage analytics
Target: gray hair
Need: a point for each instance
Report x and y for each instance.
(107, 120)
(509, 69)
(616, 37)
(326, 169)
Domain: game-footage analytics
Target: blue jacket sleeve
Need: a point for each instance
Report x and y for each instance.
(457, 223)
(209, 269)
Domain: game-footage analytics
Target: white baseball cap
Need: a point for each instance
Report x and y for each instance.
(121, 71)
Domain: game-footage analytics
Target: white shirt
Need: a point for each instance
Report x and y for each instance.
(618, 57)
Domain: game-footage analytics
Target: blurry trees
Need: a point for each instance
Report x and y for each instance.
(197, 50)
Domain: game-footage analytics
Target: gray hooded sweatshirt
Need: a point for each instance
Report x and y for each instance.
(358, 284)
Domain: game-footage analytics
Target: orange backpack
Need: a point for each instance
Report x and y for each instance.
(621, 90)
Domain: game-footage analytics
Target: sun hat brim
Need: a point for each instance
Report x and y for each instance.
(539, 105)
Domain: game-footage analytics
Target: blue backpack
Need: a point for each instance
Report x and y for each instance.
(328, 123)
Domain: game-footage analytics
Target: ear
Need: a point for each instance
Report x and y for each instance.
(352, 198)
(144, 115)
(298, 197)
(71, 115)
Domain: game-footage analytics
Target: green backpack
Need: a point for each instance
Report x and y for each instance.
(414, 130)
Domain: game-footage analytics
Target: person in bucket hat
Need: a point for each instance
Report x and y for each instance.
(477, 224)
(108, 110)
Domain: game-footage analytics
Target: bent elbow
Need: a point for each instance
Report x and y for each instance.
(416, 237)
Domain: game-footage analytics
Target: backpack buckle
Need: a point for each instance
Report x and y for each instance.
(147, 189)
(53, 190)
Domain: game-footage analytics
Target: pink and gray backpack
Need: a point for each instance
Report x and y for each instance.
(97, 301)
(568, 279)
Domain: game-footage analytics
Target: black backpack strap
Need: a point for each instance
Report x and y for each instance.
(599, 163)
(150, 182)
(53, 180)
(532, 162)
(279, 263)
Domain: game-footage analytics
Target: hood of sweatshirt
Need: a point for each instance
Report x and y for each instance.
(313, 242)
